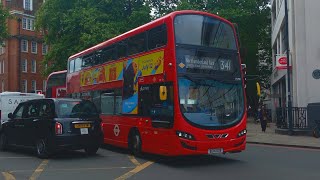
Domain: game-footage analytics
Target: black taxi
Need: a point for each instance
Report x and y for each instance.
(50, 125)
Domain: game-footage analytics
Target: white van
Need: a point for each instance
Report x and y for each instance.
(10, 100)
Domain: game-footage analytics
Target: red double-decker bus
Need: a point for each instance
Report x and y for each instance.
(56, 85)
(172, 87)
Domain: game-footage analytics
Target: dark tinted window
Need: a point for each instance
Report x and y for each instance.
(150, 105)
(137, 44)
(122, 49)
(89, 60)
(99, 56)
(157, 37)
(76, 109)
(45, 109)
(32, 110)
(109, 54)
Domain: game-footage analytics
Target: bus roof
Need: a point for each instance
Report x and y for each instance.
(57, 72)
(142, 28)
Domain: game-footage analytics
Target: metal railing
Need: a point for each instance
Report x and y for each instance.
(299, 118)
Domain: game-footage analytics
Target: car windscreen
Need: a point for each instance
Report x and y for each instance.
(76, 109)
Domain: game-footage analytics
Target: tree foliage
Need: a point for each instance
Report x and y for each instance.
(4, 14)
(74, 25)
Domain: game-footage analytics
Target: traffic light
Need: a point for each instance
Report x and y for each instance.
(244, 72)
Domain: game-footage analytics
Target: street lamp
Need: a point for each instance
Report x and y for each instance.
(288, 68)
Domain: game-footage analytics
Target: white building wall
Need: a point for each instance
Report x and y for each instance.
(304, 39)
(313, 48)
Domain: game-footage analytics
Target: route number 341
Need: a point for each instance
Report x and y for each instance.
(225, 65)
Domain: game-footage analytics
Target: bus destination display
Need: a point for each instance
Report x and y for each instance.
(209, 63)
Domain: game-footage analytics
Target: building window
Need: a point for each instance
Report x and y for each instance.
(28, 24)
(44, 86)
(44, 49)
(24, 86)
(34, 85)
(2, 66)
(27, 5)
(24, 65)
(33, 66)
(24, 23)
(24, 46)
(34, 46)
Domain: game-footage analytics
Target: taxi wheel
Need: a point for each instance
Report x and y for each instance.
(136, 144)
(42, 149)
(3, 142)
(91, 150)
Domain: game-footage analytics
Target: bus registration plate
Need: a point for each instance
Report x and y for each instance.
(215, 151)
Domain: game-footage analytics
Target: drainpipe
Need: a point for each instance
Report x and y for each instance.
(288, 69)
(19, 55)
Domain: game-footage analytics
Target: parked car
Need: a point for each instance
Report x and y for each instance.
(50, 125)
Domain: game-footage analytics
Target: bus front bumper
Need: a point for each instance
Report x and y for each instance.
(188, 147)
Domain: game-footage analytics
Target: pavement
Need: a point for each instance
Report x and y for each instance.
(256, 136)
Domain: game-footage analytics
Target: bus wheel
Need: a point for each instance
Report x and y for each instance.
(135, 143)
(3, 141)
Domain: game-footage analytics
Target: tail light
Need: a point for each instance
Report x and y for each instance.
(58, 128)
(101, 126)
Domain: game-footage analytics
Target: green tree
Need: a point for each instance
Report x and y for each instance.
(3, 25)
(74, 25)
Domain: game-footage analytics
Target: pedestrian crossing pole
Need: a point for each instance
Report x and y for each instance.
(288, 68)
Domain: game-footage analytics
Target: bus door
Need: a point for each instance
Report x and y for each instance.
(112, 122)
(107, 113)
(156, 109)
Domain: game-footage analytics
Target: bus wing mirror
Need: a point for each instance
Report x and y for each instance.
(163, 93)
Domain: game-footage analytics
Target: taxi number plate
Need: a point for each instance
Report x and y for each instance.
(82, 125)
(84, 131)
(215, 151)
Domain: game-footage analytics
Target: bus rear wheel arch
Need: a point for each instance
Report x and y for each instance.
(135, 142)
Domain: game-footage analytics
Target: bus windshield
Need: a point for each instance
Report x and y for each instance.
(57, 80)
(209, 74)
(204, 31)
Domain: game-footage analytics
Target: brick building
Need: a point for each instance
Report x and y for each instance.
(21, 54)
